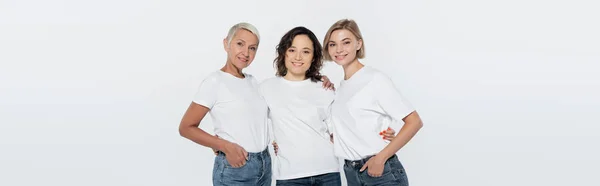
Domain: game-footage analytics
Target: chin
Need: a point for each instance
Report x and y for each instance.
(297, 72)
(342, 63)
(241, 65)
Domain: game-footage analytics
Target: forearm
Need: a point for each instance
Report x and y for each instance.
(407, 132)
(203, 138)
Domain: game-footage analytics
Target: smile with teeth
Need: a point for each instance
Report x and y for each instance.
(297, 64)
(243, 59)
(340, 57)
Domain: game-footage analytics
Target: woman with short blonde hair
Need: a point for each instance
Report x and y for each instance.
(364, 98)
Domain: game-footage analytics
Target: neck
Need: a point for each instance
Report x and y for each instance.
(231, 69)
(294, 77)
(351, 68)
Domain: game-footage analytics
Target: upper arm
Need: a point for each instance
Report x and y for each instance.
(204, 99)
(414, 118)
(193, 115)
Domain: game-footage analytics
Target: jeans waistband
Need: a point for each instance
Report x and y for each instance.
(361, 162)
(253, 154)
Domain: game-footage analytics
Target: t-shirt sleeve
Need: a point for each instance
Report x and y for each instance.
(207, 92)
(390, 99)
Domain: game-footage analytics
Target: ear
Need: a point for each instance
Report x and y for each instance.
(359, 44)
(225, 45)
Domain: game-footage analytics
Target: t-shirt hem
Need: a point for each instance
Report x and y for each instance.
(203, 103)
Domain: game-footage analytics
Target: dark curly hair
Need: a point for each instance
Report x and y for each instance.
(286, 42)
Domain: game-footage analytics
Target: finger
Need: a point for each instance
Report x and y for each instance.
(363, 168)
(373, 175)
(388, 135)
(390, 131)
(245, 155)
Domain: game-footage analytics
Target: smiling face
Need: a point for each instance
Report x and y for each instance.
(242, 48)
(343, 46)
(299, 56)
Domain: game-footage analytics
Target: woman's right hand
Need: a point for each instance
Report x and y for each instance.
(236, 155)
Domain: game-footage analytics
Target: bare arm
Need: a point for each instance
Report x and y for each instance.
(190, 122)
(412, 124)
(188, 128)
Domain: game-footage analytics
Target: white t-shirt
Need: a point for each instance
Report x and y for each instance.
(237, 110)
(365, 105)
(298, 111)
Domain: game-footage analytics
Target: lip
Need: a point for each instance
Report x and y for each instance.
(297, 64)
(245, 60)
(340, 57)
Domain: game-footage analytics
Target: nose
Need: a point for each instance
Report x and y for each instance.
(338, 49)
(245, 52)
(298, 56)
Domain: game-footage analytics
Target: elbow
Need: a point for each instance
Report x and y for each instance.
(420, 124)
(417, 123)
(182, 131)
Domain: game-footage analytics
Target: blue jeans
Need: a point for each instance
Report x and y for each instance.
(393, 173)
(256, 171)
(329, 179)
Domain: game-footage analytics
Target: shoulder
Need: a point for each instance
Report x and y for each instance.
(320, 90)
(213, 78)
(269, 82)
(379, 78)
(251, 78)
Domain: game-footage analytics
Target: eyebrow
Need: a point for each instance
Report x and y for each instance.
(302, 48)
(330, 41)
(245, 42)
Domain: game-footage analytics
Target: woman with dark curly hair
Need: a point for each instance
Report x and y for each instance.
(299, 109)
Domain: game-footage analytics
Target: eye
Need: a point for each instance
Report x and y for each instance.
(331, 44)
(307, 52)
(291, 50)
(240, 44)
(253, 48)
(347, 42)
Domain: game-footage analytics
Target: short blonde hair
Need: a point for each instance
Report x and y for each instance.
(243, 25)
(347, 24)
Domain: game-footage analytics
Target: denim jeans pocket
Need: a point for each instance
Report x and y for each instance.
(249, 172)
(398, 171)
(228, 165)
(386, 177)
